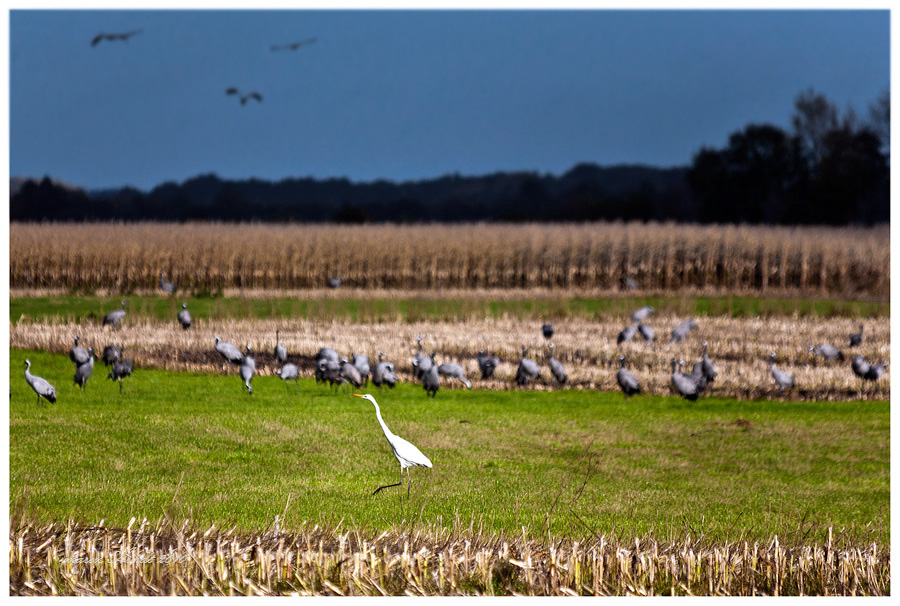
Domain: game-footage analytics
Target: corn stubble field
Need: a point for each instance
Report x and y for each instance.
(260, 260)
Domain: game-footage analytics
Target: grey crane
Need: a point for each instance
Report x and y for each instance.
(642, 314)
(289, 372)
(184, 317)
(829, 352)
(361, 363)
(293, 45)
(646, 331)
(627, 334)
(698, 376)
(709, 369)
(421, 363)
(859, 366)
(856, 338)
(452, 370)
(782, 379)
(228, 351)
(628, 383)
(330, 371)
(682, 330)
(248, 369)
(487, 364)
(40, 385)
(684, 385)
(547, 330)
(556, 368)
(112, 354)
(120, 370)
(350, 373)
(334, 282)
(280, 351)
(78, 354)
(875, 371)
(327, 353)
(124, 36)
(244, 98)
(166, 285)
(528, 369)
(115, 317)
(431, 381)
(85, 370)
(628, 283)
(383, 374)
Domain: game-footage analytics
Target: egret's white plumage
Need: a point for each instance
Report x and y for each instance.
(406, 452)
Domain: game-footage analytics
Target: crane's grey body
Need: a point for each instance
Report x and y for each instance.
(431, 381)
(627, 333)
(280, 351)
(328, 370)
(120, 370)
(166, 285)
(642, 314)
(682, 330)
(383, 374)
(556, 368)
(40, 385)
(229, 351)
(289, 372)
(421, 363)
(684, 385)
(334, 282)
(859, 366)
(115, 317)
(782, 379)
(78, 355)
(454, 371)
(84, 371)
(646, 331)
(829, 352)
(350, 373)
(628, 383)
(698, 376)
(361, 363)
(112, 354)
(875, 371)
(708, 368)
(528, 369)
(248, 369)
(856, 338)
(326, 353)
(629, 283)
(184, 317)
(487, 364)
(547, 330)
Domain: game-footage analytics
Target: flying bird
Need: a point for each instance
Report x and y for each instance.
(293, 45)
(407, 454)
(252, 95)
(113, 37)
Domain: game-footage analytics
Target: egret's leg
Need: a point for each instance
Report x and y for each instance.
(408, 481)
(400, 483)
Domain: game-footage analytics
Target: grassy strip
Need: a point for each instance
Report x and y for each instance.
(81, 308)
(566, 463)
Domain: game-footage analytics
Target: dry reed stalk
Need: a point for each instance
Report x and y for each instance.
(847, 261)
(164, 559)
(588, 349)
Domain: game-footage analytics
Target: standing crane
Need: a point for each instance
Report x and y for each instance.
(781, 378)
(184, 317)
(78, 354)
(85, 370)
(628, 383)
(40, 385)
(114, 317)
(248, 369)
(407, 454)
(229, 352)
(684, 385)
(120, 370)
(289, 372)
(528, 369)
(280, 351)
(556, 368)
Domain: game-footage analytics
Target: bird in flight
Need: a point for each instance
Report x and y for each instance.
(113, 37)
(294, 45)
(234, 91)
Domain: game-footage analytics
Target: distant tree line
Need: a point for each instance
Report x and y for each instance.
(829, 169)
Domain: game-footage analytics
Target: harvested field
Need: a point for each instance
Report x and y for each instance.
(738, 346)
(145, 559)
(660, 257)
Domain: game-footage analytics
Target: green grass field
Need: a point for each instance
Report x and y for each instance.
(567, 462)
(81, 308)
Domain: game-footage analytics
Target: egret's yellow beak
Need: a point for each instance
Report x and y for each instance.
(359, 395)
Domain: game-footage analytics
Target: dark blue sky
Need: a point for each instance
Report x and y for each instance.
(414, 94)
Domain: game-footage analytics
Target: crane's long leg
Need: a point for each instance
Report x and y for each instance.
(120, 385)
(400, 483)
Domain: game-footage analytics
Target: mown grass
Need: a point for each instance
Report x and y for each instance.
(568, 463)
(82, 308)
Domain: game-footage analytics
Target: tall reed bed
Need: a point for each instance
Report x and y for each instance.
(659, 257)
(146, 559)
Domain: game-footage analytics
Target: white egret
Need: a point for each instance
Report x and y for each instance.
(406, 453)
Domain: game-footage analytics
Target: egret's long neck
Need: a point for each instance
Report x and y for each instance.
(384, 427)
